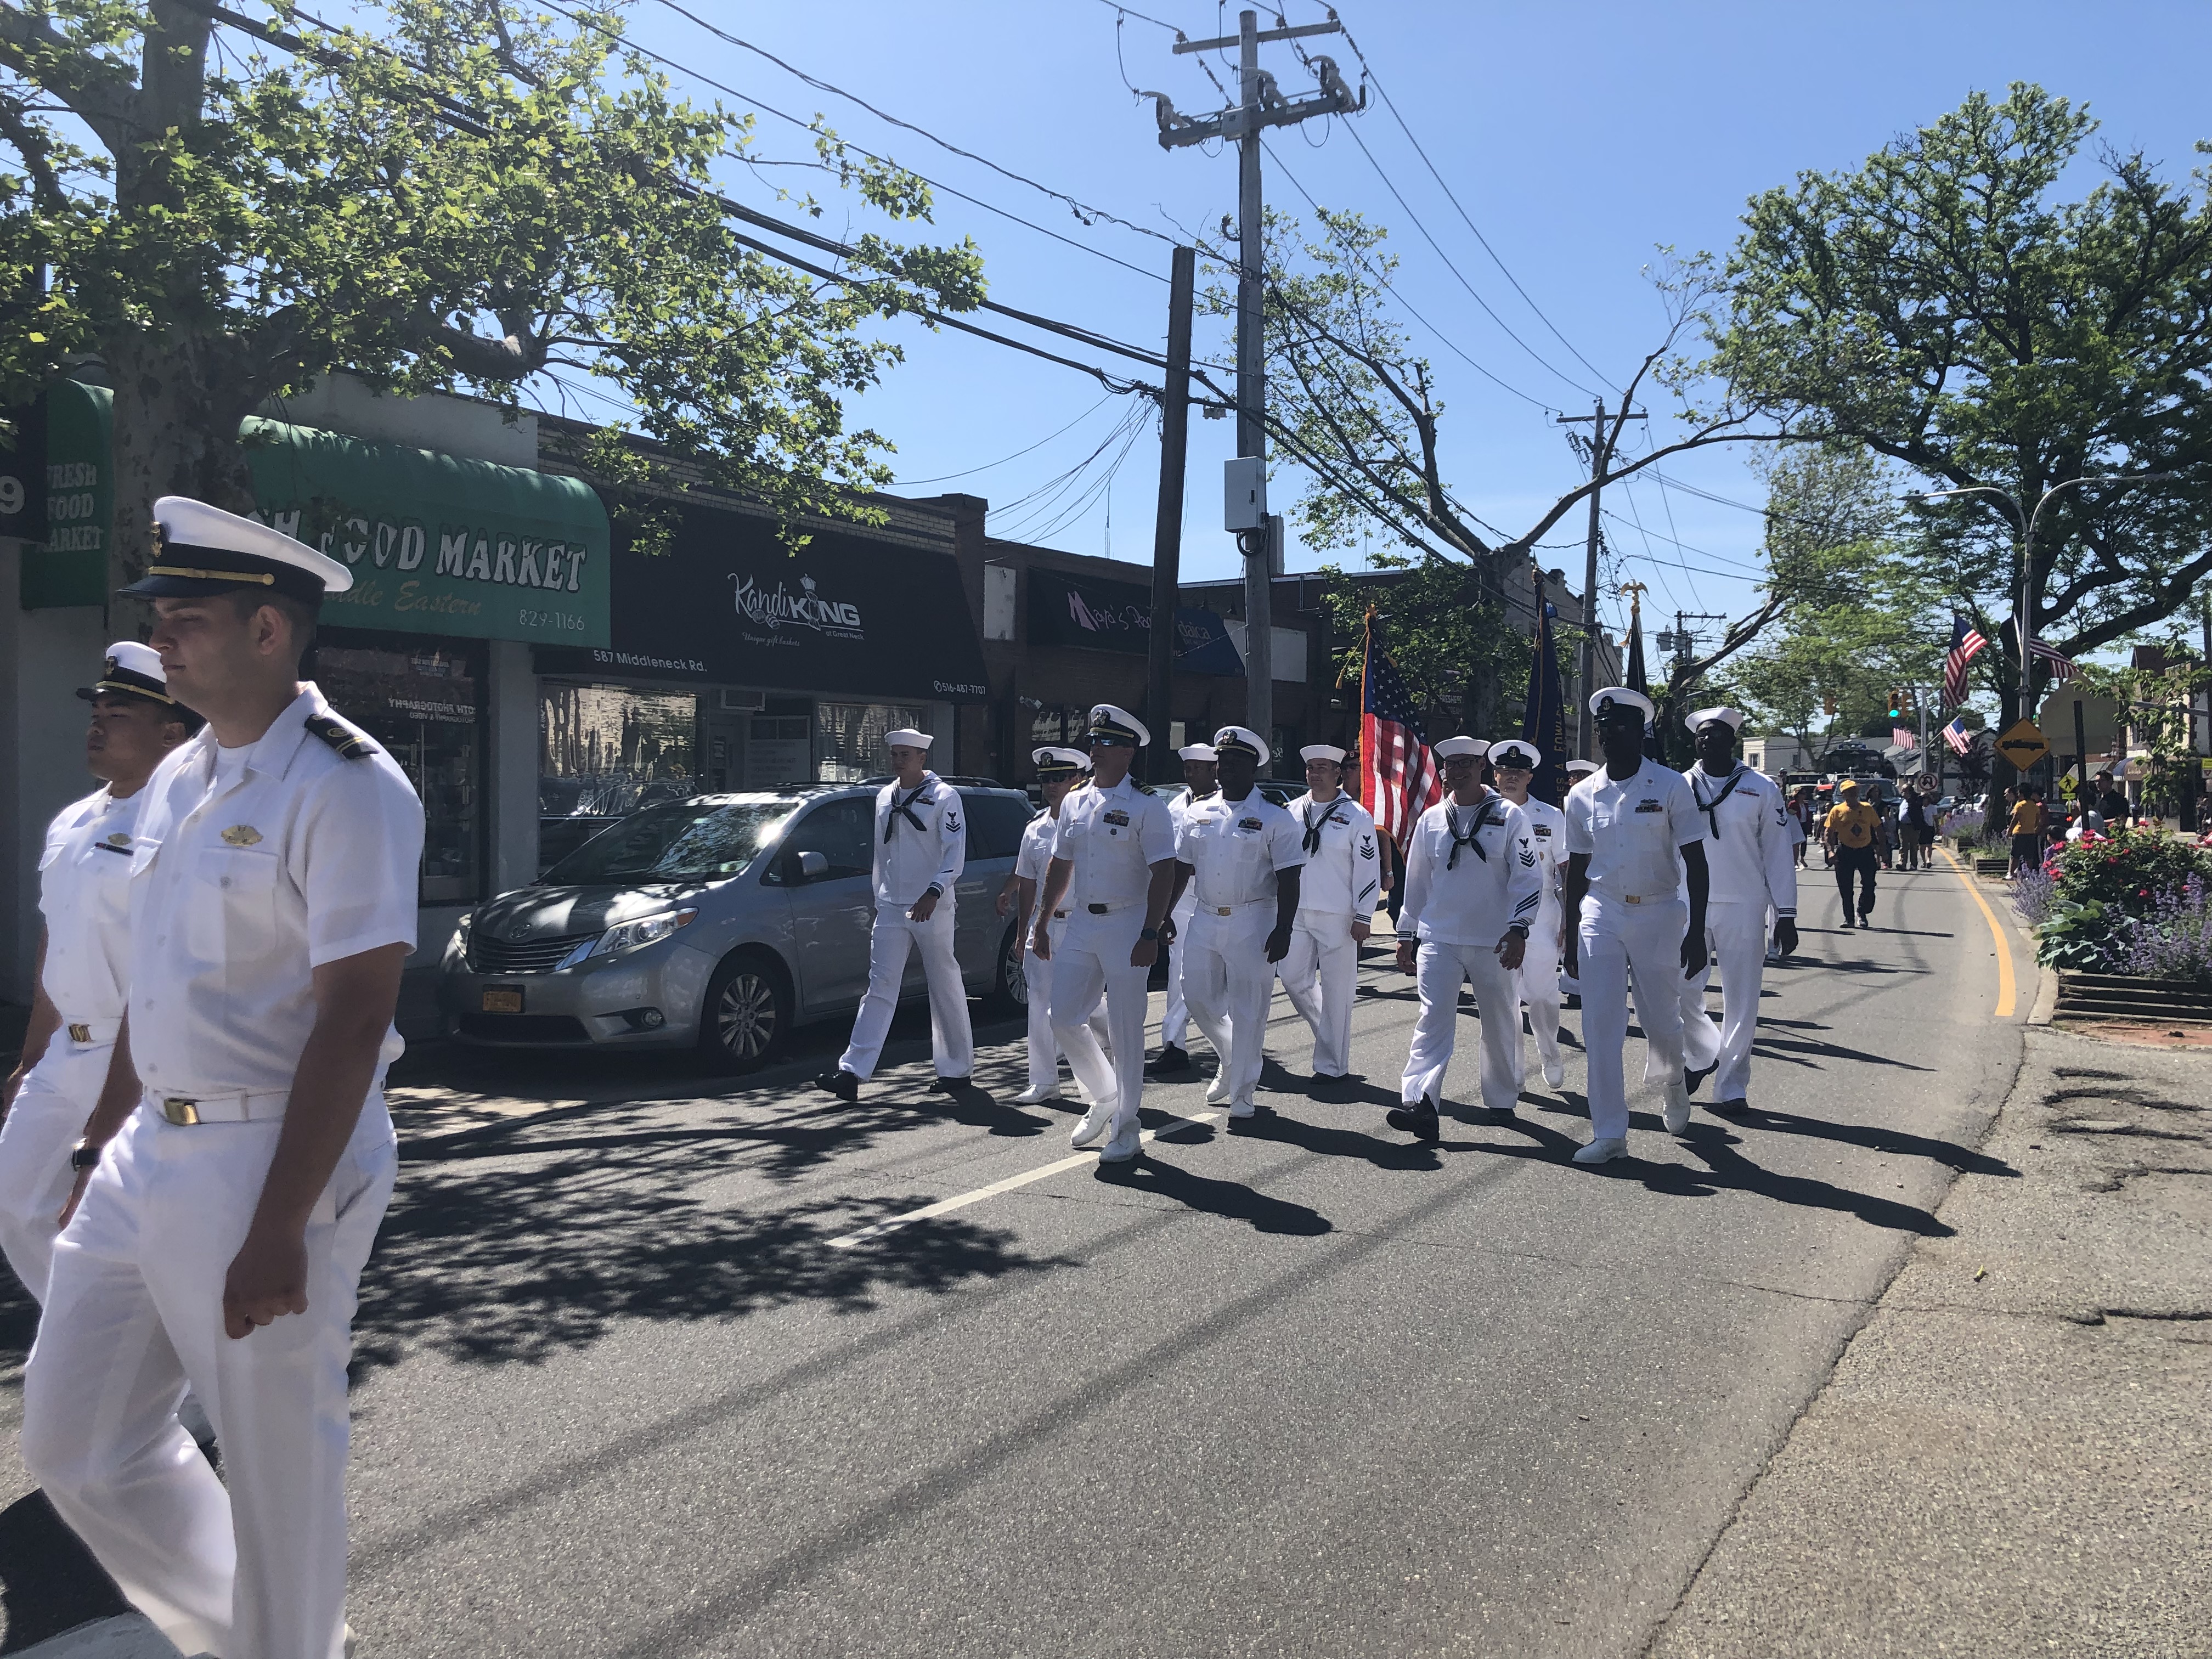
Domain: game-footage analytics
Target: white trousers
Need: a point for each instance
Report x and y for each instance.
(1092, 960)
(1175, 1024)
(1230, 983)
(1044, 1053)
(951, 1041)
(1615, 938)
(1321, 975)
(46, 1121)
(1735, 943)
(1438, 971)
(1539, 983)
(253, 1566)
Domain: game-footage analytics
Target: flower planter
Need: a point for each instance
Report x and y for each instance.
(2129, 997)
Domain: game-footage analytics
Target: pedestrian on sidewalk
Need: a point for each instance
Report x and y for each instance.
(1915, 827)
(1337, 894)
(1058, 770)
(1200, 779)
(2028, 825)
(1849, 834)
(2111, 801)
(1801, 823)
(245, 1156)
(921, 847)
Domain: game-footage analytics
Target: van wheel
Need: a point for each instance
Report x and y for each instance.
(1010, 982)
(747, 1015)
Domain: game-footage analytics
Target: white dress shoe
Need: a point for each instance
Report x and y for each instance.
(1674, 1108)
(1555, 1075)
(1218, 1089)
(1124, 1145)
(1242, 1108)
(1093, 1127)
(1603, 1150)
(1036, 1097)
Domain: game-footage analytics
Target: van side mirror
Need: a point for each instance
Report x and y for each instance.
(812, 867)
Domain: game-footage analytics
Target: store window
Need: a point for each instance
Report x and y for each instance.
(423, 699)
(848, 737)
(1060, 723)
(603, 752)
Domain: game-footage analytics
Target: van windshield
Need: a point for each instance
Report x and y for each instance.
(683, 841)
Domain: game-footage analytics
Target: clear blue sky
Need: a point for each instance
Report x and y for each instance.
(1577, 138)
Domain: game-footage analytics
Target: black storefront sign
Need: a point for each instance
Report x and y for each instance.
(1109, 616)
(729, 603)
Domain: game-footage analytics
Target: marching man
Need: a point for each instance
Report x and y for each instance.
(84, 954)
(1634, 838)
(1472, 894)
(1240, 853)
(1513, 766)
(1200, 774)
(1058, 770)
(1337, 896)
(921, 847)
(245, 1156)
(1570, 987)
(1752, 868)
(1113, 870)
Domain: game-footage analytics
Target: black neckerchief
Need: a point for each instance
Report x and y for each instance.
(1481, 817)
(904, 809)
(1713, 809)
(1314, 826)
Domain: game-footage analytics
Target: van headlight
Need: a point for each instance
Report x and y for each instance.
(646, 930)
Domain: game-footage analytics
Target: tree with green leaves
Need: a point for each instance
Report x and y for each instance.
(445, 196)
(1943, 307)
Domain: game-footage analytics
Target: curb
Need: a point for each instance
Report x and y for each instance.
(2046, 997)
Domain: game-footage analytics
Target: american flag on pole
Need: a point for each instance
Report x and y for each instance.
(1900, 737)
(1966, 642)
(1398, 776)
(2062, 665)
(1955, 735)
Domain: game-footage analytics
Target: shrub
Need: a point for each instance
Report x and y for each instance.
(2174, 940)
(2129, 872)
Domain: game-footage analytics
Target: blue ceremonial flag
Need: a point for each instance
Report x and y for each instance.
(1545, 722)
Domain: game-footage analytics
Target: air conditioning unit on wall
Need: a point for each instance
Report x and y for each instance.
(744, 702)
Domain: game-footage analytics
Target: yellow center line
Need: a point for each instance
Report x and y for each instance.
(2006, 988)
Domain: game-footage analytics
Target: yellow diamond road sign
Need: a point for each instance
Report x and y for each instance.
(2023, 744)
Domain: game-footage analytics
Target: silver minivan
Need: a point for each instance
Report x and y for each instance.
(716, 923)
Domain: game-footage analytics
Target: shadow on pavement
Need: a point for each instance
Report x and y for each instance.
(1791, 1049)
(1231, 1199)
(49, 1582)
(1949, 1153)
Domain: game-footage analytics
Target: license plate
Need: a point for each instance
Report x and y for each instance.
(507, 999)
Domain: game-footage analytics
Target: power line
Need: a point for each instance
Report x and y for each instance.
(942, 477)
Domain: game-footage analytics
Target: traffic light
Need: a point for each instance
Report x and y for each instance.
(1896, 704)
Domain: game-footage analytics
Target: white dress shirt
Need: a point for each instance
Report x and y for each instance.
(84, 894)
(1113, 838)
(1749, 857)
(1343, 872)
(1474, 897)
(1630, 828)
(254, 868)
(1235, 848)
(1547, 839)
(909, 861)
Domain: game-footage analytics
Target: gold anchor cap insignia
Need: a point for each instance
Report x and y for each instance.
(116, 838)
(240, 834)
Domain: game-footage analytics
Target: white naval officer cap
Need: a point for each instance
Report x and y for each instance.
(1111, 723)
(1602, 703)
(131, 670)
(1452, 748)
(1698, 717)
(1328, 752)
(1580, 768)
(200, 549)
(1242, 740)
(1053, 763)
(907, 737)
(1199, 751)
(1514, 752)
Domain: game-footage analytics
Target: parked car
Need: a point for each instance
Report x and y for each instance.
(717, 922)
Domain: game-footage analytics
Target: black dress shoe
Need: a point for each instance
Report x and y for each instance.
(952, 1086)
(1171, 1059)
(1730, 1108)
(1693, 1078)
(1418, 1120)
(841, 1083)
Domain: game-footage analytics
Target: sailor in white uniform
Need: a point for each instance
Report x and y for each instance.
(1471, 897)
(1240, 853)
(1058, 770)
(1513, 766)
(920, 844)
(1570, 987)
(1753, 871)
(1337, 896)
(221, 1235)
(84, 954)
(1200, 778)
(1635, 839)
(1113, 870)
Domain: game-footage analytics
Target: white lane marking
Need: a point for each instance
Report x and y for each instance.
(946, 1205)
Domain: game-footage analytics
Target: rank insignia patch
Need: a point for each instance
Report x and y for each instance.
(240, 834)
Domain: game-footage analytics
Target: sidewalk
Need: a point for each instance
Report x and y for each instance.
(2014, 1454)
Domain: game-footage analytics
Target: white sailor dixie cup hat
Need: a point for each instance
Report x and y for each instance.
(1328, 752)
(1242, 740)
(1452, 748)
(1514, 752)
(1111, 724)
(907, 737)
(1199, 751)
(131, 670)
(1053, 763)
(1580, 768)
(1698, 717)
(1602, 703)
(200, 549)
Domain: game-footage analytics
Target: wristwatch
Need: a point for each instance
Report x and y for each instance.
(1150, 933)
(83, 1156)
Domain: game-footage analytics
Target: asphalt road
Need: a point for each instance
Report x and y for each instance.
(1305, 1387)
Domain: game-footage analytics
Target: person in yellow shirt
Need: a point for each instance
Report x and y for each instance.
(2028, 823)
(1850, 830)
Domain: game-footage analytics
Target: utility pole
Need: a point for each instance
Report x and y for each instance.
(1167, 528)
(1586, 675)
(1260, 105)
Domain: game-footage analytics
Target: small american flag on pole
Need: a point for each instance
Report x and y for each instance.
(2062, 665)
(1900, 737)
(1398, 776)
(1967, 641)
(1955, 735)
